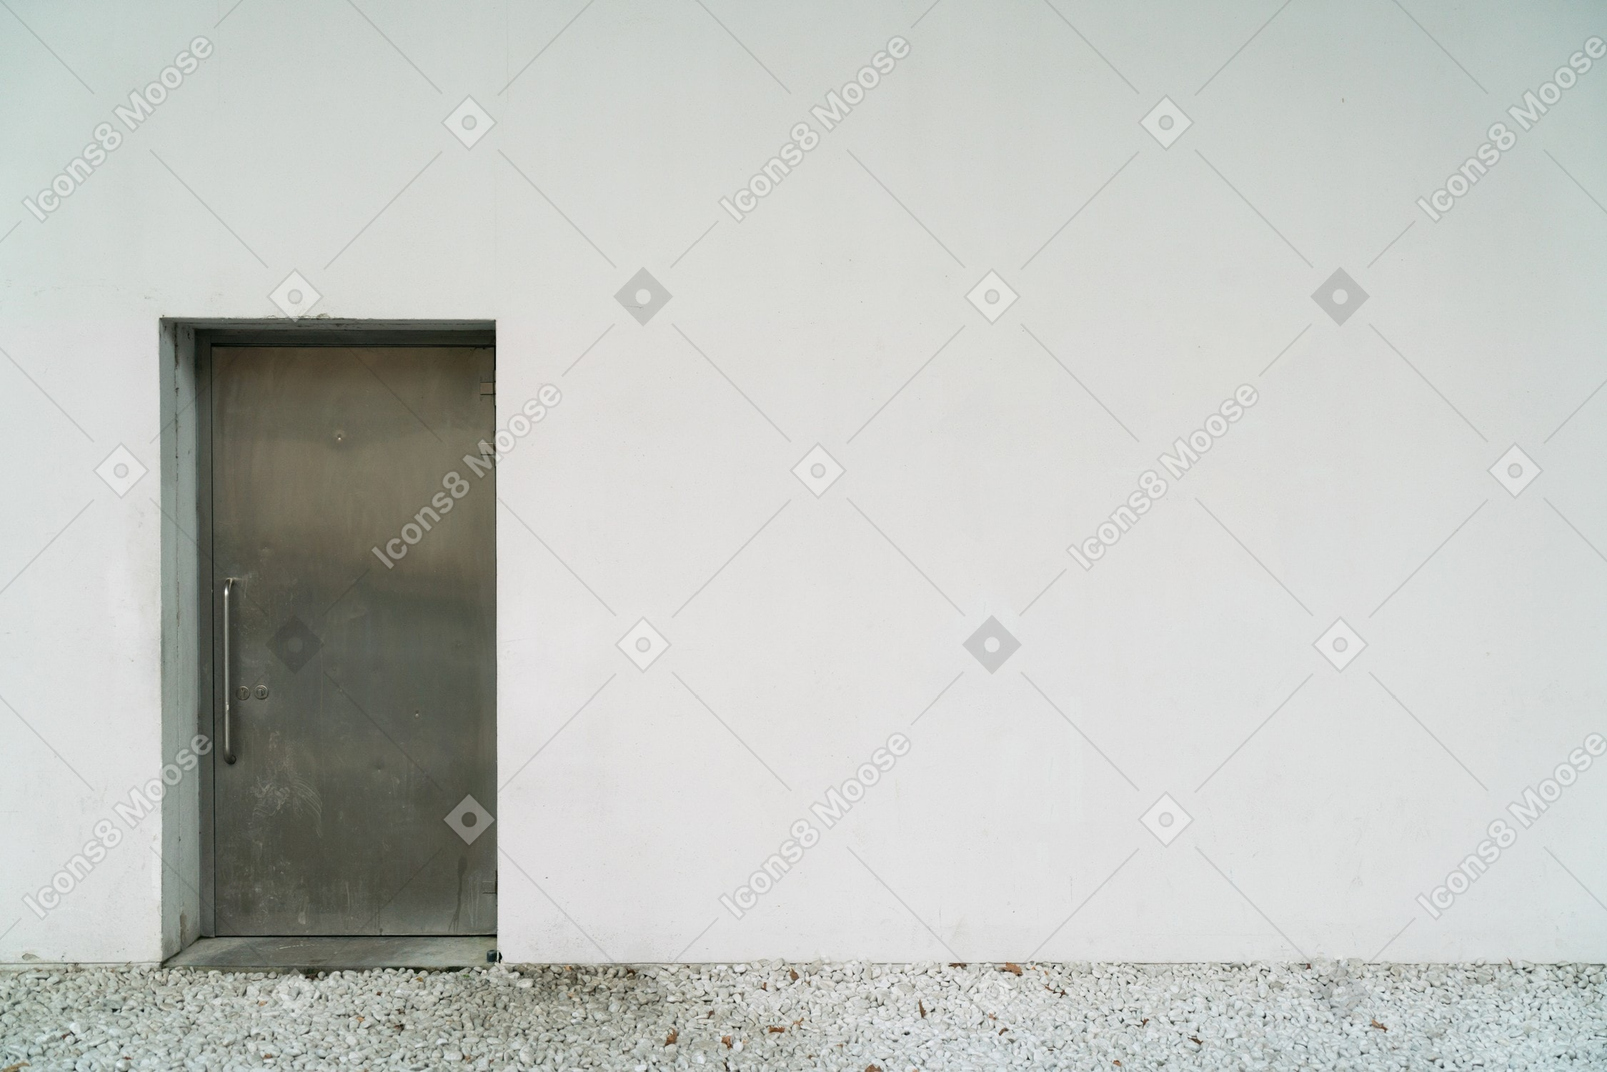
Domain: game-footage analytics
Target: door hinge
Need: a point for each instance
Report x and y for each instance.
(488, 388)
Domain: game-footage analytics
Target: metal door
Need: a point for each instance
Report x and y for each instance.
(355, 623)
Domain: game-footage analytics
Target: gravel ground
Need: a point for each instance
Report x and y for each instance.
(833, 1016)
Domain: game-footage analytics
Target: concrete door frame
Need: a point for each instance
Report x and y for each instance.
(187, 706)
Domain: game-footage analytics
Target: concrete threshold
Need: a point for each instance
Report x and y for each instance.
(337, 953)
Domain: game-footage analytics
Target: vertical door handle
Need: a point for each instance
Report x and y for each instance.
(228, 685)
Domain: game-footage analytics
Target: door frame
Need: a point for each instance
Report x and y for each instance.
(189, 703)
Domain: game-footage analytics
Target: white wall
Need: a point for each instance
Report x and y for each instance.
(1360, 474)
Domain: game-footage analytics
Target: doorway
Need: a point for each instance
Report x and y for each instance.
(352, 579)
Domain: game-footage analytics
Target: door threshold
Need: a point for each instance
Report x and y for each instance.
(355, 953)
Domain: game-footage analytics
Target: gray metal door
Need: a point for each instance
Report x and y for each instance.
(359, 636)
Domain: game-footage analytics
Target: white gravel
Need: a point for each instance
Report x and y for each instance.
(833, 1016)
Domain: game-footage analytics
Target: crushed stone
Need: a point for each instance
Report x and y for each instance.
(775, 1015)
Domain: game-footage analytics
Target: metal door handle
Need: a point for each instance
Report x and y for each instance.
(228, 689)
